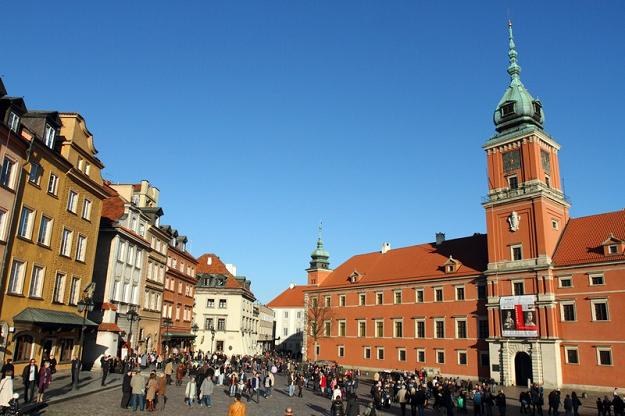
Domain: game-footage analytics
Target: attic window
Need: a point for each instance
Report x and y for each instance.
(14, 121)
(450, 268)
(612, 249)
(451, 265)
(613, 246)
(50, 134)
(507, 109)
(354, 277)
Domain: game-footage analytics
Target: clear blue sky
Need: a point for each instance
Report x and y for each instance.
(258, 119)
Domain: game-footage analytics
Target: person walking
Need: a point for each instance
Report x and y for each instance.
(402, 398)
(162, 390)
(137, 383)
(352, 408)
(30, 378)
(105, 364)
(8, 366)
(190, 391)
(6, 390)
(169, 370)
(255, 388)
(75, 370)
(237, 408)
(126, 390)
(568, 405)
(150, 395)
(500, 401)
(45, 378)
(206, 391)
(576, 403)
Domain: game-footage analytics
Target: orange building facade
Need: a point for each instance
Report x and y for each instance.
(535, 299)
(178, 294)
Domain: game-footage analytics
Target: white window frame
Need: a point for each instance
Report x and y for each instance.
(593, 302)
(416, 328)
(512, 247)
(395, 322)
(400, 293)
(436, 352)
(362, 299)
(37, 281)
(27, 231)
(327, 328)
(10, 172)
(375, 328)
(466, 357)
(435, 334)
(416, 295)
(340, 351)
(17, 277)
(49, 136)
(436, 291)
(66, 243)
(14, 121)
(591, 275)
(399, 351)
(466, 327)
(379, 350)
(378, 294)
(464, 292)
(342, 300)
(74, 291)
(86, 209)
(609, 349)
(44, 236)
(59, 296)
(4, 214)
(563, 278)
(364, 353)
(513, 287)
(564, 303)
(36, 171)
(81, 247)
(53, 184)
(568, 348)
(359, 322)
(341, 328)
(72, 201)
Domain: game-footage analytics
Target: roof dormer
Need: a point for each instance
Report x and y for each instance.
(451, 265)
(354, 277)
(613, 246)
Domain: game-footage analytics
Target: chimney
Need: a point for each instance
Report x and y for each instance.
(386, 247)
(440, 238)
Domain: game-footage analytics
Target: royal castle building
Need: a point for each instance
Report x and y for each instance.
(535, 298)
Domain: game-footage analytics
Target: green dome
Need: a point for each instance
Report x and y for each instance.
(320, 258)
(517, 107)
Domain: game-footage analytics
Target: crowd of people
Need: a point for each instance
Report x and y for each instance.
(147, 377)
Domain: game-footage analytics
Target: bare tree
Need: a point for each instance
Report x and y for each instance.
(316, 316)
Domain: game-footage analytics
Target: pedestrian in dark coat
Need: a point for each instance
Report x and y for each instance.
(352, 405)
(8, 366)
(126, 390)
(500, 400)
(30, 378)
(105, 364)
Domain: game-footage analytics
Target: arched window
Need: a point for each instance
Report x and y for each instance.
(23, 347)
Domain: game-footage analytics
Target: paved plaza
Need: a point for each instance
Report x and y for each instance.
(108, 403)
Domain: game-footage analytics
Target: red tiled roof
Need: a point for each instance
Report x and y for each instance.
(113, 206)
(582, 237)
(109, 306)
(414, 262)
(109, 327)
(292, 297)
(216, 266)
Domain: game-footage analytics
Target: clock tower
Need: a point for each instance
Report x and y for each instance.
(526, 211)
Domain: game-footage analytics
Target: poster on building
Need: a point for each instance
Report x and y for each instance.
(518, 316)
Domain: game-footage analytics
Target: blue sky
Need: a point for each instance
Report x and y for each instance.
(258, 119)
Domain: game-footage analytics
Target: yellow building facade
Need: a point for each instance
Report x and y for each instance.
(54, 237)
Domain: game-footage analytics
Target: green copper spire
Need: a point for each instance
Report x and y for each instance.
(320, 258)
(513, 69)
(517, 108)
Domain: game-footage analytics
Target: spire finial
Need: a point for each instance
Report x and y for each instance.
(320, 230)
(513, 69)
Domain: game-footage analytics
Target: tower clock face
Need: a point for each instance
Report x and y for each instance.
(511, 160)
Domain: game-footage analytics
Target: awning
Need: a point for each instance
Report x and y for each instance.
(44, 317)
(178, 335)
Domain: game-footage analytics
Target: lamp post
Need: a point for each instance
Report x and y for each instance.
(194, 329)
(132, 315)
(212, 329)
(167, 323)
(85, 305)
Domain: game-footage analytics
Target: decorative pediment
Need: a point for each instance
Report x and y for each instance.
(613, 245)
(451, 265)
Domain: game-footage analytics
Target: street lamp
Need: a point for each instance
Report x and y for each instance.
(211, 328)
(85, 305)
(132, 315)
(194, 329)
(167, 323)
